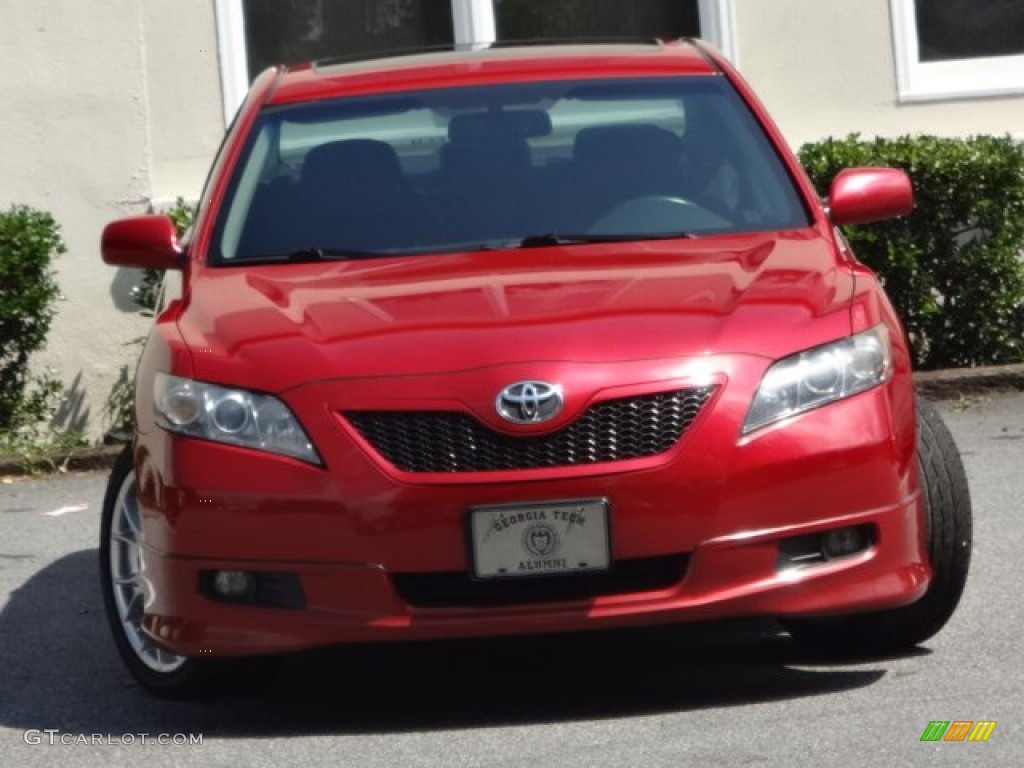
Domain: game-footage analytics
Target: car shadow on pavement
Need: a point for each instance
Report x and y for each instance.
(61, 671)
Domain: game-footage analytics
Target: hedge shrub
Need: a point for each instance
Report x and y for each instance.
(29, 240)
(953, 268)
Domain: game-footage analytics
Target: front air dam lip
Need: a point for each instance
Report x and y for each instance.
(357, 603)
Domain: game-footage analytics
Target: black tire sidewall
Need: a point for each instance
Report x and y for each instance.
(947, 536)
(181, 681)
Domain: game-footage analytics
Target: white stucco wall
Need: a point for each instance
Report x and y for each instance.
(827, 68)
(183, 78)
(106, 105)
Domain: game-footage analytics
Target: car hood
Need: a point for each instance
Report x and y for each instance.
(278, 326)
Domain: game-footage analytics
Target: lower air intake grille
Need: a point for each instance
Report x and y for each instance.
(441, 590)
(614, 430)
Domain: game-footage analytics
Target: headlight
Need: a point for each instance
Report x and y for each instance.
(234, 416)
(821, 375)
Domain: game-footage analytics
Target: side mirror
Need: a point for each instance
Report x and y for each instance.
(142, 242)
(862, 195)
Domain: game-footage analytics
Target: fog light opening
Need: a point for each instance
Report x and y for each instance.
(232, 585)
(271, 589)
(843, 542)
(799, 552)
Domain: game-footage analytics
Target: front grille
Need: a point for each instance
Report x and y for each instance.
(447, 441)
(458, 589)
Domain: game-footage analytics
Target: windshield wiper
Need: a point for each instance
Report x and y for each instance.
(305, 256)
(331, 254)
(577, 238)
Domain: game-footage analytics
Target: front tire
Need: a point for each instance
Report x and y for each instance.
(156, 668)
(948, 530)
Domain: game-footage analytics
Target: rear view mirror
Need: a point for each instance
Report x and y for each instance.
(142, 242)
(862, 195)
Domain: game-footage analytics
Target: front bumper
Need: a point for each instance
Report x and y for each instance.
(350, 533)
(358, 603)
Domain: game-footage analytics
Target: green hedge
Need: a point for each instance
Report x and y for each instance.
(29, 240)
(953, 267)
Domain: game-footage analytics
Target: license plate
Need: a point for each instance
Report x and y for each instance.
(539, 539)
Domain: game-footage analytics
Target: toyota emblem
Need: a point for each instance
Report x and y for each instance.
(529, 402)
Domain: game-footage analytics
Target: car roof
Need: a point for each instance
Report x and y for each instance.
(501, 63)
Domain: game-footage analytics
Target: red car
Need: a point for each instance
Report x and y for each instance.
(520, 340)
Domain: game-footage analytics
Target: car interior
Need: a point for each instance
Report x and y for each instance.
(495, 176)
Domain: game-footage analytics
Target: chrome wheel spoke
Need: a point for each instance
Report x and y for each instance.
(127, 581)
(127, 539)
(133, 608)
(130, 509)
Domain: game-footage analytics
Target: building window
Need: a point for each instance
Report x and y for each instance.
(958, 48)
(565, 19)
(253, 34)
(299, 30)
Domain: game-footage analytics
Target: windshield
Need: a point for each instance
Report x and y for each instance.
(503, 166)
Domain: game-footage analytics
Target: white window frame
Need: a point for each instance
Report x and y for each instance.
(231, 56)
(473, 27)
(718, 26)
(945, 80)
(474, 23)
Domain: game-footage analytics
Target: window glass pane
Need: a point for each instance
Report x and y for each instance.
(967, 29)
(563, 19)
(283, 31)
(493, 167)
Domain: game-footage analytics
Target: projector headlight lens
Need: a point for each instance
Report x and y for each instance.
(226, 415)
(819, 376)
